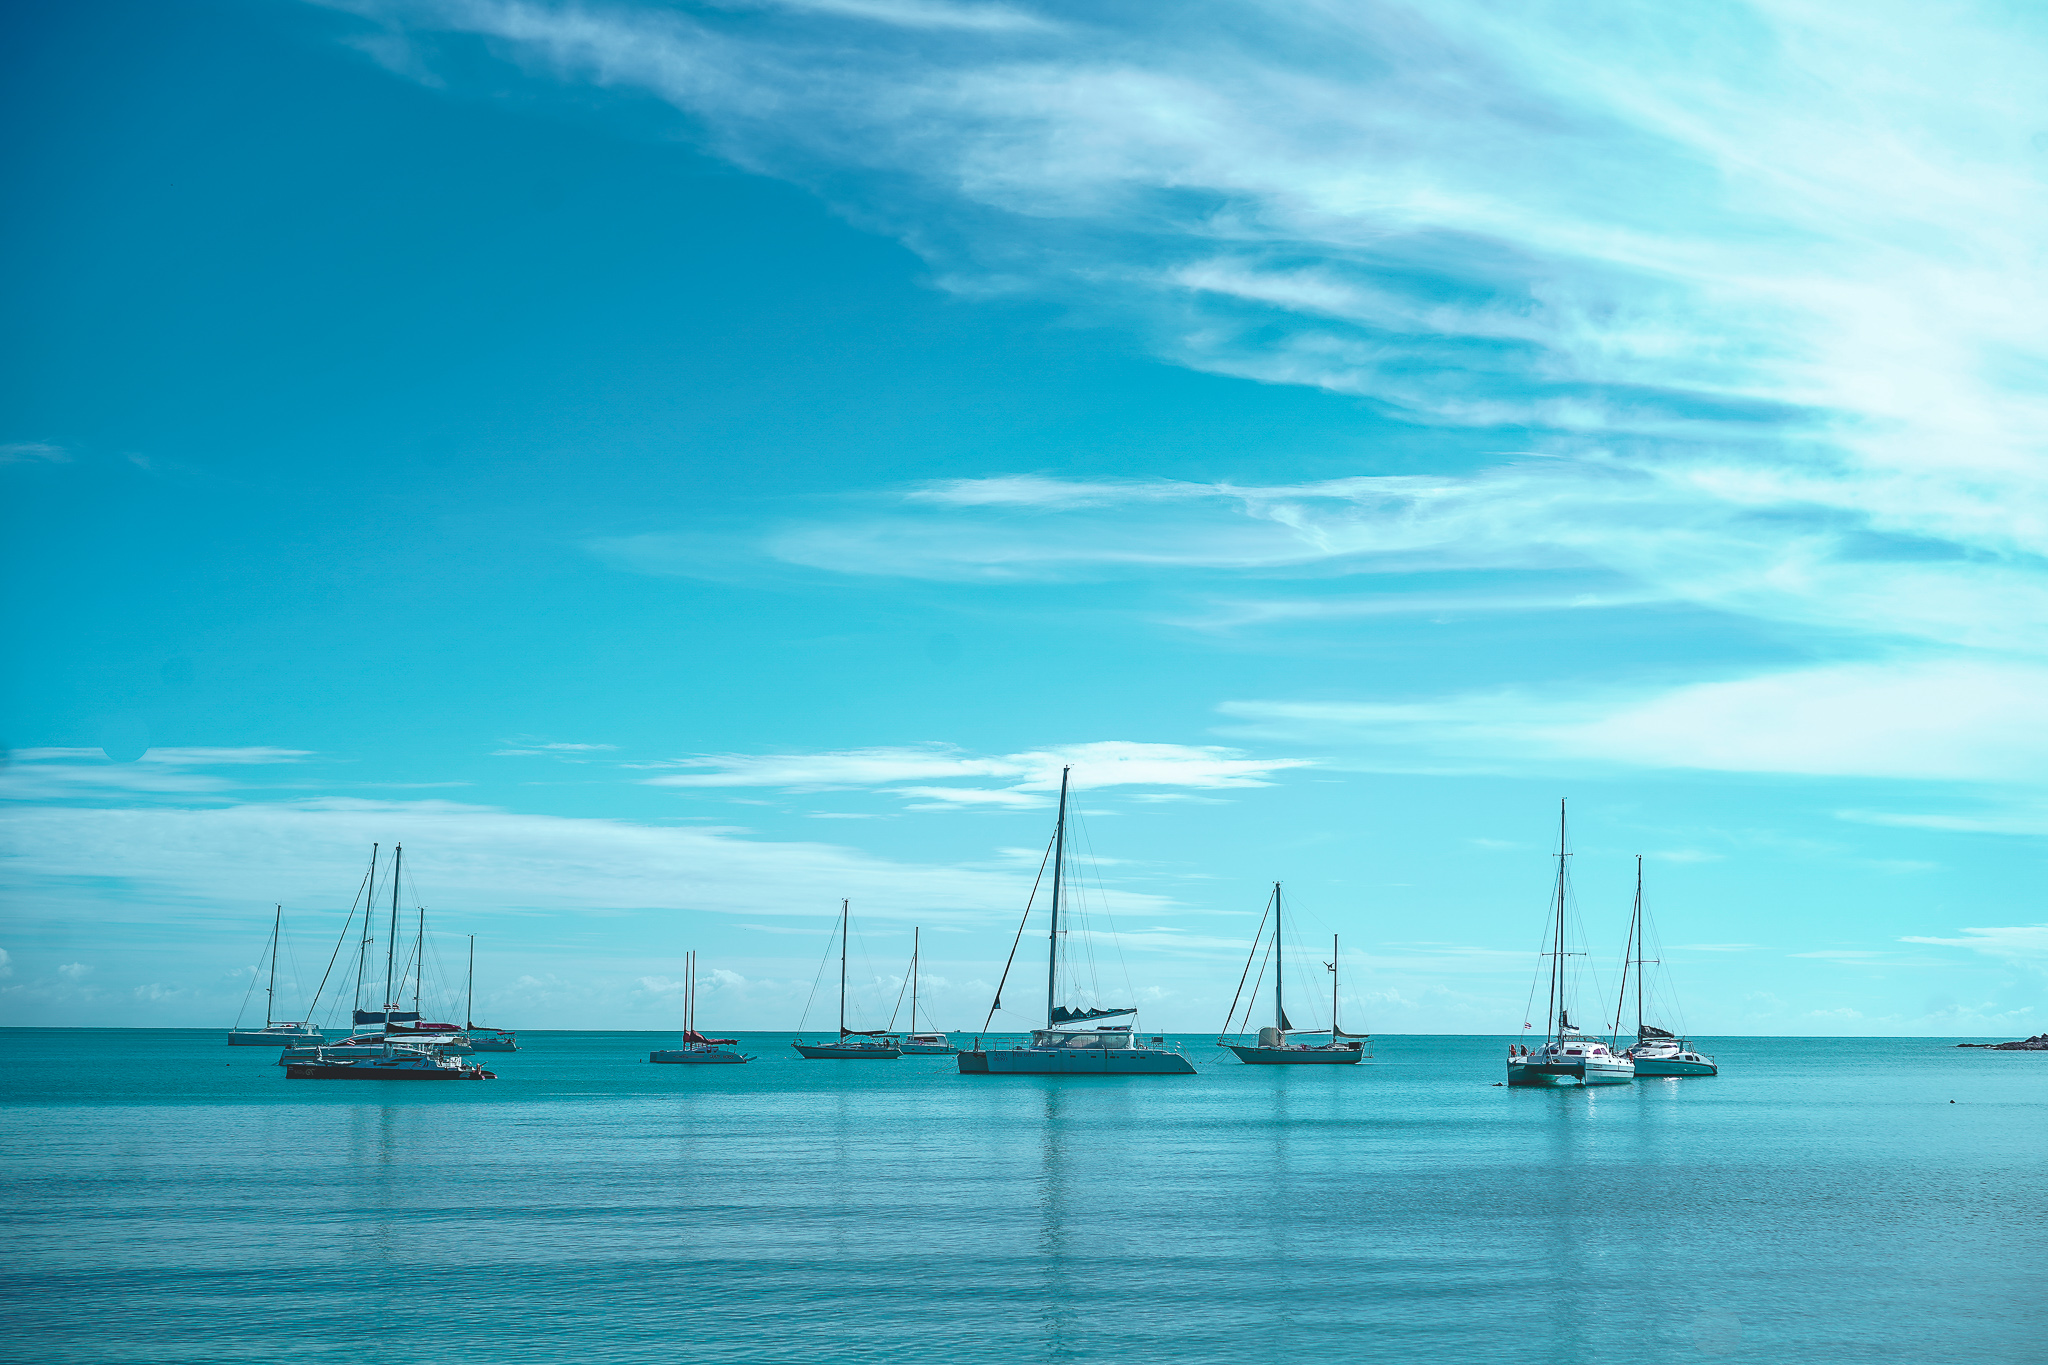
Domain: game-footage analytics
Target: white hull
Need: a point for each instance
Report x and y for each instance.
(1075, 1061)
(277, 1038)
(1253, 1055)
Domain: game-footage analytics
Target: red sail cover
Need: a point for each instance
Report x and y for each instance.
(694, 1037)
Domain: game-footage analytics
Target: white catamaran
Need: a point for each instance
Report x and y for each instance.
(1566, 1056)
(1273, 1047)
(1656, 1051)
(1073, 1041)
(275, 1032)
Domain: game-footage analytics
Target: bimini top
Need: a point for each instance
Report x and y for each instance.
(1063, 1015)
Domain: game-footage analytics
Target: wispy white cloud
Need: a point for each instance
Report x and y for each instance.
(33, 452)
(2023, 943)
(1028, 779)
(1976, 721)
(50, 773)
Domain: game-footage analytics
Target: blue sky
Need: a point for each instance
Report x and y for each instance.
(676, 466)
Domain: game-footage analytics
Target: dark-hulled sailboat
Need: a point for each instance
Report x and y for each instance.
(854, 1045)
(1273, 1047)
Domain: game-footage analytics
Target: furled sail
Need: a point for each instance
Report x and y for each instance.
(845, 1032)
(692, 1036)
(381, 1017)
(1650, 1031)
(1063, 1015)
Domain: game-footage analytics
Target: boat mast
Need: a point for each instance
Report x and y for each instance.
(689, 994)
(419, 960)
(1059, 858)
(391, 943)
(845, 913)
(469, 992)
(1632, 952)
(1333, 990)
(1556, 1004)
(369, 935)
(914, 935)
(270, 995)
(1279, 953)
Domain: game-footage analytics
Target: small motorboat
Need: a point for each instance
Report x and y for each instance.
(697, 1050)
(926, 1045)
(393, 1062)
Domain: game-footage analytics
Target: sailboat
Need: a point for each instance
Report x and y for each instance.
(1566, 1056)
(854, 1045)
(915, 1044)
(1656, 1051)
(1073, 1041)
(696, 1049)
(1273, 1047)
(275, 1032)
(482, 1039)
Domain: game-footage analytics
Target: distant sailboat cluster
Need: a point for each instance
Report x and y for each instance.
(1080, 1035)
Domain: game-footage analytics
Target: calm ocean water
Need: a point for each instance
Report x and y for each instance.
(1822, 1200)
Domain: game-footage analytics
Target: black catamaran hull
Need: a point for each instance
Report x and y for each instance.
(313, 1071)
(1297, 1056)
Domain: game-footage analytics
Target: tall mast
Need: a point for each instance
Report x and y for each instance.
(1637, 923)
(845, 913)
(1059, 859)
(419, 959)
(1557, 934)
(369, 936)
(1279, 954)
(914, 935)
(1333, 990)
(469, 992)
(391, 943)
(689, 994)
(270, 995)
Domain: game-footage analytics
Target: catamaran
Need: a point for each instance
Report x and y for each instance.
(915, 1044)
(1656, 1051)
(275, 1032)
(697, 1050)
(854, 1045)
(1073, 1041)
(1274, 1047)
(1566, 1055)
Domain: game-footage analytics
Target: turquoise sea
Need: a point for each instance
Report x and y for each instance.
(1824, 1200)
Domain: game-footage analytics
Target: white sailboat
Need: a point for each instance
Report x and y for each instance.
(854, 1045)
(275, 1032)
(1566, 1056)
(481, 1037)
(1656, 1051)
(915, 1044)
(1274, 1047)
(697, 1050)
(1073, 1041)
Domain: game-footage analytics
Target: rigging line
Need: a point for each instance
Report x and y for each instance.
(893, 1009)
(1029, 901)
(1258, 935)
(1116, 939)
(254, 972)
(1257, 981)
(816, 977)
(313, 1008)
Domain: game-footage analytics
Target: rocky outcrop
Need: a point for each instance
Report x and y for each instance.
(2037, 1043)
